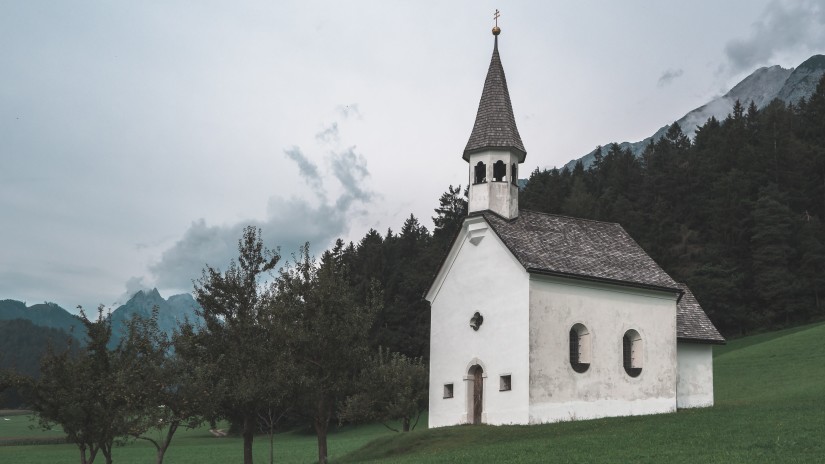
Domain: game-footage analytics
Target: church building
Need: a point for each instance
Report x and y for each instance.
(542, 318)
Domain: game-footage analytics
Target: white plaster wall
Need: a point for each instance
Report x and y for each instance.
(501, 197)
(481, 277)
(695, 385)
(557, 392)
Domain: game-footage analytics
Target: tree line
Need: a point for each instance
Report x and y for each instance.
(737, 213)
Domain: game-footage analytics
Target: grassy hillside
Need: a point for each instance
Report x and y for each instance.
(769, 408)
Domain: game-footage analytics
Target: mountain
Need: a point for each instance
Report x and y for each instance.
(170, 312)
(762, 87)
(44, 315)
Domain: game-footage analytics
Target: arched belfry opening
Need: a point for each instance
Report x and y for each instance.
(499, 171)
(475, 403)
(480, 173)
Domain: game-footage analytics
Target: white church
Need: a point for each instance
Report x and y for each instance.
(542, 318)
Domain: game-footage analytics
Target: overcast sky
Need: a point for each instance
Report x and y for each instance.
(137, 139)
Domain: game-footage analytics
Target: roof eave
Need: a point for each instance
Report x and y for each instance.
(702, 341)
(604, 280)
(522, 155)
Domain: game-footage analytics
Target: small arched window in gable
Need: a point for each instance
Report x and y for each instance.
(480, 173)
(499, 171)
(579, 348)
(632, 353)
(514, 174)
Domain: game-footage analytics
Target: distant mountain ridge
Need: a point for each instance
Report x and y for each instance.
(44, 314)
(762, 87)
(171, 312)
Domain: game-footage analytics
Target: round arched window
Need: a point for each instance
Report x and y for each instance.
(579, 348)
(632, 353)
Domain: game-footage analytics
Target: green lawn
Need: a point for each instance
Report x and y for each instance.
(770, 407)
(188, 447)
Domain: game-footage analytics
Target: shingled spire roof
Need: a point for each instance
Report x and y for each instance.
(495, 125)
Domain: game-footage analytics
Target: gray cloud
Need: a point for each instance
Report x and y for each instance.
(328, 134)
(669, 76)
(307, 169)
(784, 26)
(289, 222)
(350, 169)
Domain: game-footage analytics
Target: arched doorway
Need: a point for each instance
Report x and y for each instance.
(476, 403)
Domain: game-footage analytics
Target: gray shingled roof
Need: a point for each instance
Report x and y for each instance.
(495, 125)
(692, 324)
(580, 248)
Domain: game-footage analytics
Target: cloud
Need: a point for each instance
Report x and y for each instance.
(328, 134)
(784, 26)
(306, 168)
(289, 222)
(669, 76)
(350, 169)
(133, 285)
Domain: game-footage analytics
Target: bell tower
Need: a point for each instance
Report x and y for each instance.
(494, 150)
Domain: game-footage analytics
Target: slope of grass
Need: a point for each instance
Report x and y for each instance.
(769, 408)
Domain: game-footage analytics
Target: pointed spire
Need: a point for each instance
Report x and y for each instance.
(495, 125)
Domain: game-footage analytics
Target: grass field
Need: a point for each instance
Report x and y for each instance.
(770, 407)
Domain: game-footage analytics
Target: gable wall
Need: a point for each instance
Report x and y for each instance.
(605, 389)
(484, 278)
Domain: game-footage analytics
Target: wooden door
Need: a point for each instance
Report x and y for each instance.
(478, 394)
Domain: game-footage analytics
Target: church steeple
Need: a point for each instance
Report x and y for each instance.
(495, 149)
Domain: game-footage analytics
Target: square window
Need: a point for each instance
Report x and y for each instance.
(448, 390)
(504, 383)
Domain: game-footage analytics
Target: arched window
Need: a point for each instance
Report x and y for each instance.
(579, 348)
(632, 353)
(480, 173)
(499, 171)
(514, 174)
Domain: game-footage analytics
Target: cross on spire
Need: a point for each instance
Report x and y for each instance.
(496, 29)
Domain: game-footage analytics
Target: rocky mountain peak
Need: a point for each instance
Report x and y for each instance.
(761, 86)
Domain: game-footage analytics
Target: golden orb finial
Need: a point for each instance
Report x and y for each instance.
(496, 29)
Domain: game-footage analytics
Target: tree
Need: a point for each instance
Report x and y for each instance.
(774, 281)
(240, 338)
(85, 394)
(328, 330)
(393, 387)
(168, 390)
(450, 214)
